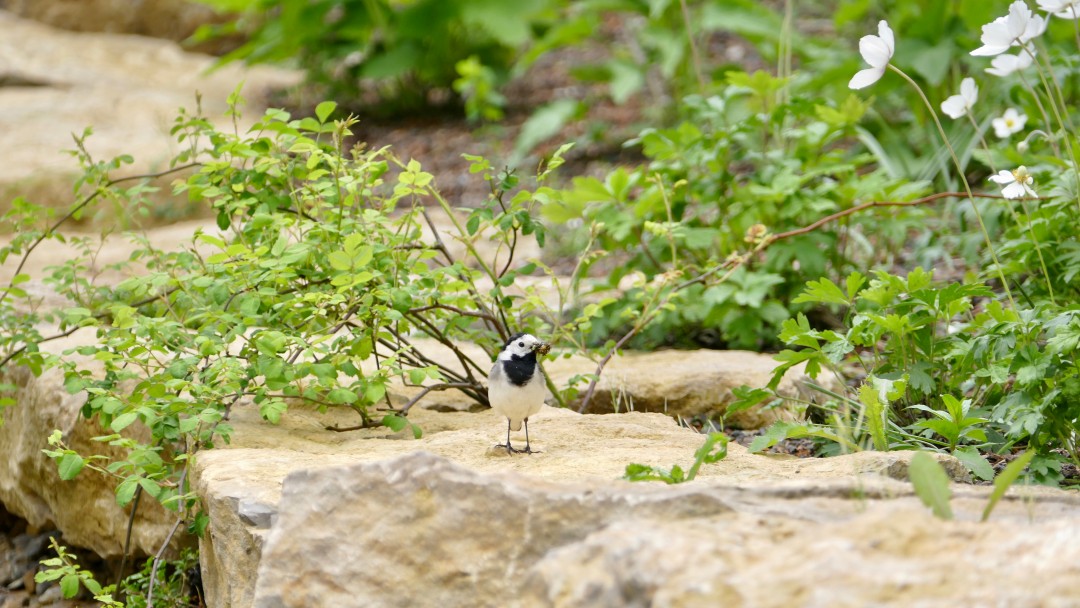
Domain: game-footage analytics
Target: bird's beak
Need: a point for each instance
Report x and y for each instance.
(543, 348)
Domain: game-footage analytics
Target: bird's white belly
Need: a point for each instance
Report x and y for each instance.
(518, 402)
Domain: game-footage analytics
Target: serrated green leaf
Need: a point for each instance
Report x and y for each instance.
(126, 491)
(823, 291)
(70, 465)
(975, 463)
(69, 585)
(123, 421)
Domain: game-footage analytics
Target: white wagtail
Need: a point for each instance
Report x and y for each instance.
(516, 387)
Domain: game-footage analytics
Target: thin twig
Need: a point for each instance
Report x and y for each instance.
(79, 207)
(433, 387)
(127, 539)
(157, 560)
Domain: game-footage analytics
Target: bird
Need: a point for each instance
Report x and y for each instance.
(516, 386)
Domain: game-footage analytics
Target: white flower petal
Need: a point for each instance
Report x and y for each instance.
(1033, 29)
(1001, 127)
(1018, 19)
(1029, 190)
(865, 78)
(874, 51)
(954, 107)
(1004, 65)
(1013, 190)
(969, 91)
(887, 37)
(1003, 177)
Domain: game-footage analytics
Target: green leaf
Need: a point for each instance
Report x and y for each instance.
(325, 109)
(199, 524)
(126, 491)
(339, 260)
(92, 586)
(374, 392)
(394, 422)
(69, 585)
(123, 421)
(272, 409)
(341, 395)
(774, 435)
(823, 292)
(876, 414)
(975, 463)
(149, 486)
(931, 484)
(1005, 480)
(70, 465)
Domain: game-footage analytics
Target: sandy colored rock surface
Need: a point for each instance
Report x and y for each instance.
(172, 19)
(128, 88)
(85, 508)
(433, 515)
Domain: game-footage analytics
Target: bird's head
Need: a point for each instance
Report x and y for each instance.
(521, 345)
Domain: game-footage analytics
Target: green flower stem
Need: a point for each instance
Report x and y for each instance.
(963, 179)
(1057, 104)
(1042, 110)
(1015, 215)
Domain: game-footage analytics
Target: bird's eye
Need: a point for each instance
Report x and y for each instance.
(521, 344)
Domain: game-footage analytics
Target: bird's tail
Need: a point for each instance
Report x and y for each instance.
(515, 425)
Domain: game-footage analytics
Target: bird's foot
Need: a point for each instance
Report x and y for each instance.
(509, 448)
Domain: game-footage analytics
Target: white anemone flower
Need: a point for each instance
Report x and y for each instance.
(1017, 182)
(1004, 65)
(1064, 9)
(1016, 28)
(876, 51)
(958, 105)
(1010, 122)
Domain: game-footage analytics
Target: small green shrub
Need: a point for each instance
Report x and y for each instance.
(404, 51)
(740, 166)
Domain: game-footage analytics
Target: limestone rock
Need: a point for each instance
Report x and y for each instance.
(127, 88)
(583, 457)
(172, 19)
(886, 556)
(688, 383)
(85, 508)
(419, 530)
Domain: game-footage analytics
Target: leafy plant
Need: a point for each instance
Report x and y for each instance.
(742, 167)
(65, 569)
(713, 450)
(931, 483)
(406, 52)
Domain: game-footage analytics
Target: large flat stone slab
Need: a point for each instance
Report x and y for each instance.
(446, 520)
(420, 530)
(127, 88)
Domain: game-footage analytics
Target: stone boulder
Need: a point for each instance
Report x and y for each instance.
(481, 528)
(172, 19)
(85, 508)
(688, 383)
(292, 506)
(54, 83)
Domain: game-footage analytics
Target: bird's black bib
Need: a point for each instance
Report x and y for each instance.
(519, 370)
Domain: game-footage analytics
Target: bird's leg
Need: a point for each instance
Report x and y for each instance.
(509, 448)
(528, 449)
